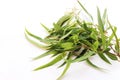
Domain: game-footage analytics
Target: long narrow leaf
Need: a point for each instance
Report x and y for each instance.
(103, 57)
(56, 27)
(54, 61)
(85, 56)
(111, 37)
(104, 16)
(117, 40)
(93, 35)
(99, 19)
(101, 29)
(36, 43)
(87, 43)
(85, 10)
(48, 30)
(30, 34)
(103, 37)
(65, 61)
(45, 54)
(63, 19)
(66, 35)
(111, 56)
(36, 37)
(64, 71)
(96, 44)
(92, 65)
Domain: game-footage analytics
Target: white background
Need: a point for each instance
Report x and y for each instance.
(16, 52)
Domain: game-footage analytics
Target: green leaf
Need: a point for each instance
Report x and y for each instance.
(104, 16)
(104, 58)
(107, 50)
(100, 23)
(103, 37)
(66, 35)
(66, 45)
(85, 56)
(111, 56)
(34, 36)
(85, 26)
(75, 38)
(117, 40)
(62, 64)
(92, 65)
(85, 10)
(36, 43)
(65, 70)
(111, 37)
(45, 54)
(93, 35)
(65, 61)
(54, 61)
(96, 44)
(101, 29)
(56, 27)
(48, 30)
(30, 34)
(87, 43)
(63, 19)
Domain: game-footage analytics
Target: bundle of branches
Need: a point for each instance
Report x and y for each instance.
(74, 40)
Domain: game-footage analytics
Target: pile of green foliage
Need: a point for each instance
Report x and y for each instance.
(73, 39)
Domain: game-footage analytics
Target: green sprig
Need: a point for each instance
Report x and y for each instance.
(75, 40)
